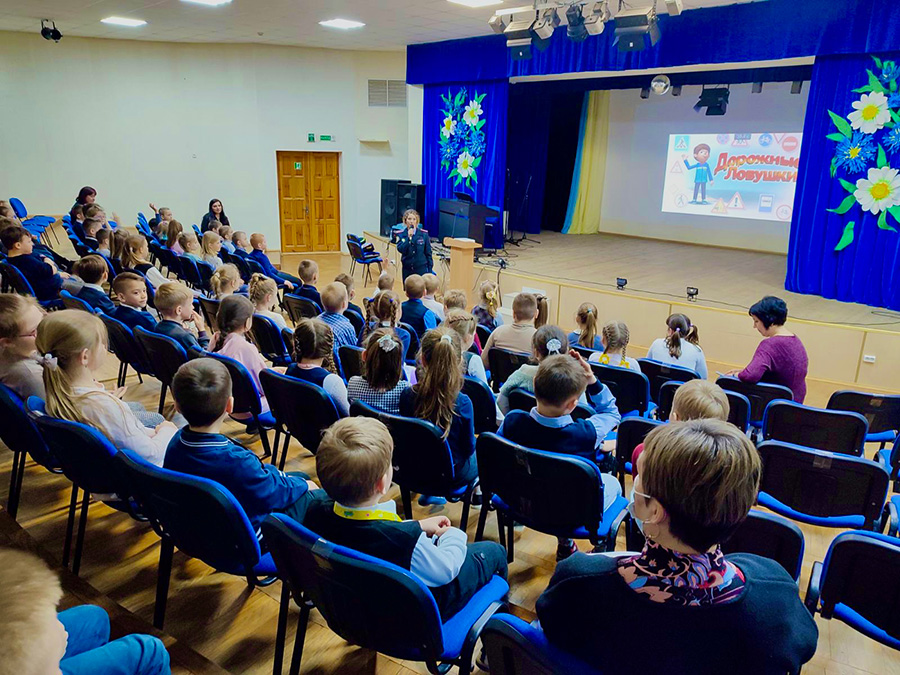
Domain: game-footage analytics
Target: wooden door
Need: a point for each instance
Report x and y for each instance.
(309, 201)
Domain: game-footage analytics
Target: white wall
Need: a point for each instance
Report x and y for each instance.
(636, 162)
(180, 124)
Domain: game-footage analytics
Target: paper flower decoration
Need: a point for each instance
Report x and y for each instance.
(854, 154)
(871, 112)
(879, 191)
(472, 113)
(462, 141)
(448, 127)
(464, 164)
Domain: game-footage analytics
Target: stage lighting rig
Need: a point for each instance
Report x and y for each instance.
(621, 283)
(715, 100)
(692, 293)
(637, 29)
(575, 18)
(533, 25)
(498, 23)
(50, 32)
(596, 14)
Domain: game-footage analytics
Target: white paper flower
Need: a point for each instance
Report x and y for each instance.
(464, 164)
(472, 113)
(448, 128)
(871, 113)
(879, 191)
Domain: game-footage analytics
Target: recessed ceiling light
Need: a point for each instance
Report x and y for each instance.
(211, 3)
(477, 3)
(344, 24)
(120, 21)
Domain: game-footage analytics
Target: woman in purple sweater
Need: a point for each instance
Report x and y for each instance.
(781, 357)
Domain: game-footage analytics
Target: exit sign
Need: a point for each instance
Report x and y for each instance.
(298, 166)
(310, 138)
(326, 137)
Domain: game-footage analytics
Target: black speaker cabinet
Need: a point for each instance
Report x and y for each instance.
(396, 197)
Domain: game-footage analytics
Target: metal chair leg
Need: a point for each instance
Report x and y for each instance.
(407, 503)
(162, 397)
(464, 518)
(284, 451)
(263, 436)
(70, 525)
(164, 573)
(82, 526)
(297, 654)
(15, 483)
(281, 632)
(482, 517)
(510, 539)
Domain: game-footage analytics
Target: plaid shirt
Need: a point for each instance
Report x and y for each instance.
(344, 332)
(359, 390)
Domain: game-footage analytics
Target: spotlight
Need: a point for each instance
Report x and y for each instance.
(692, 293)
(675, 7)
(576, 30)
(715, 100)
(595, 17)
(661, 85)
(676, 90)
(50, 32)
(757, 87)
(637, 29)
(518, 36)
(796, 86)
(542, 30)
(645, 92)
(498, 23)
(621, 283)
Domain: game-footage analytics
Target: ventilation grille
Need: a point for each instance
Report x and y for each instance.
(387, 94)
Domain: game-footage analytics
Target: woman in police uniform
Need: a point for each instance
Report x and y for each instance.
(414, 245)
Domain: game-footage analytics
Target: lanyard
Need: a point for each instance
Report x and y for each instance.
(355, 514)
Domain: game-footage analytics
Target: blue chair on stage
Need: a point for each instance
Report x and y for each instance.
(371, 603)
(515, 647)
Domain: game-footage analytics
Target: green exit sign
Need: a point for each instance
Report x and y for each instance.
(326, 137)
(311, 138)
(298, 166)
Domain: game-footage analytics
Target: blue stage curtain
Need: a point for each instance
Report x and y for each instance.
(529, 135)
(490, 186)
(866, 270)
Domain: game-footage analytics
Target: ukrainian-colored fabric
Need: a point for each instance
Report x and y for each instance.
(586, 197)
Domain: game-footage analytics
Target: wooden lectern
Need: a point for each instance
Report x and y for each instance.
(462, 265)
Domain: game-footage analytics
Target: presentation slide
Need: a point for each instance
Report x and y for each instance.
(746, 175)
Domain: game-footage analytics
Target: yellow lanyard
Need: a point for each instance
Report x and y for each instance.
(604, 359)
(356, 514)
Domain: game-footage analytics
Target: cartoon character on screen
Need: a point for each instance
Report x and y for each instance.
(702, 172)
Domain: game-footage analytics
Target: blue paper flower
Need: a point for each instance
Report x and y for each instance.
(894, 100)
(477, 143)
(891, 141)
(852, 154)
(889, 71)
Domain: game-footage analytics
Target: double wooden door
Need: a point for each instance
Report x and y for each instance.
(309, 201)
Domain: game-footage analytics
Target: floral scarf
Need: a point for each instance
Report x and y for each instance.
(668, 576)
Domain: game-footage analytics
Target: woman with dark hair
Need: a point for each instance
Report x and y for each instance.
(86, 196)
(216, 213)
(780, 358)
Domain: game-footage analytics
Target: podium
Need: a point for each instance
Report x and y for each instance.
(462, 263)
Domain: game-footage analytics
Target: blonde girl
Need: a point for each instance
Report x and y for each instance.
(210, 247)
(487, 311)
(173, 232)
(73, 347)
(314, 360)
(190, 245)
(464, 324)
(136, 256)
(586, 320)
(382, 381)
(225, 281)
(383, 311)
(263, 295)
(20, 368)
(615, 339)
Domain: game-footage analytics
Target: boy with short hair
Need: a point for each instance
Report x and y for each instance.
(414, 312)
(241, 243)
(42, 273)
(103, 238)
(455, 298)
(226, 233)
(93, 271)
(91, 227)
(308, 271)
(432, 283)
(334, 300)
(516, 337)
(175, 304)
(131, 291)
(258, 253)
(354, 466)
(385, 283)
(349, 283)
(560, 381)
(202, 392)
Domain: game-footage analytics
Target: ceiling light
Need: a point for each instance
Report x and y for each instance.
(714, 99)
(477, 3)
(637, 29)
(211, 3)
(576, 30)
(498, 23)
(121, 21)
(343, 24)
(595, 17)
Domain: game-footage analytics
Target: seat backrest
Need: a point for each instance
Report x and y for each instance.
(14, 280)
(125, 346)
(355, 249)
(515, 647)
(631, 388)
(483, 402)
(267, 337)
(241, 264)
(72, 302)
(584, 351)
(359, 323)
(84, 454)
(206, 271)
(862, 572)
(351, 360)
(413, 340)
(209, 307)
(483, 333)
(882, 411)
(18, 207)
(770, 536)
(831, 430)
(520, 399)
(759, 394)
(531, 482)
(666, 397)
(165, 354)
(399, 616)
(823, 484)
(630, 434)
(504, 363)
(189, 271)
(300, 308)
(19, 432)
(200, 516)
(253, 266)
(658, 373)
(738, 405)
(243, 388)
(303, 408)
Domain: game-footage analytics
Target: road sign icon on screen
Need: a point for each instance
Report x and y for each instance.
(682, 142)
(736, 201)
(677, 167)
(720, 207)
(680, 200)
(784, 212)
(766, 202)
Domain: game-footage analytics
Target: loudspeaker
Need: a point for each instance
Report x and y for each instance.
(396, 197)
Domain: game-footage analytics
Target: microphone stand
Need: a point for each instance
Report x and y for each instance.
(523, 207)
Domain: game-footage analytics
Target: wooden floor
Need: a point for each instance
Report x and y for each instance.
(234, 627)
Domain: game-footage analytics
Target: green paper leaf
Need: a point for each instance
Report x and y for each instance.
(846, 237)
(842, 125)
(835, 137)
(480, 124)
(848, 186)
(457, 181)
(877, 62)
(480, 97)
(453, 173)
(833, 169)
(895, 212)
(882, 158)
(883, 224)
(893, 85)
(895, 115)
(477, 162)
(863, 90)
(845, 206)
(875, 83)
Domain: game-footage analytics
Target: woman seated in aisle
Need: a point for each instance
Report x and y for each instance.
(780, 358)
(86, 196)
(382, 380)
(586, 335)
(702, 612)
(681, 346)
(615, 339)
(215, 216)
(314, 360)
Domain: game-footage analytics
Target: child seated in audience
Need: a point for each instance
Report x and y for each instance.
(454, 298)
(241, 243)
(225, 234)
(210, 247)
(258, 253)
(93, 271)
(227, 280)
(117, 240)
(586, 335)
(615, 338)
(546, 341)
(314, 360)
(694, 400)
(464, 324)
(264, 296)
(20, 367)
(349, 283)
(432, 284)
(74, 641)
(487, 311)
(175, 304)
(202, 392)
(103, 243)
(191, 246)
(560, 382)
(385, 283)
(354, 466)
(73, 346)
(334, 301)
(42, 273)
(308, 271)
(173, 234)
(131, 291)
(77, 214)
(414, 312)
(235, 319)
(383, 312)
(516, 337)
(382, 381)
(91, 227)
(136, 256)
